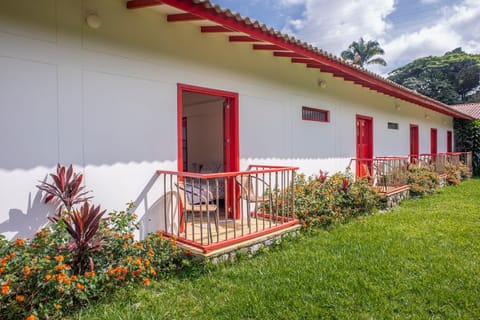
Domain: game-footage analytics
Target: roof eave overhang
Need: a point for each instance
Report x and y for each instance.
(204, 10)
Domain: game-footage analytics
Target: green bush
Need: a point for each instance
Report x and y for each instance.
(467, 138)
(423, 180)
(38, 280)
(324, 201)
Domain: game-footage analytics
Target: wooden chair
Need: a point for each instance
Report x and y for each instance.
(252, 189)
(194, 200)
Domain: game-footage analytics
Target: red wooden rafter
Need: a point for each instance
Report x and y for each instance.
(206, 29)
(271, 47)
(137, 4)
(243, 39)
(179, 17)
(258, 35)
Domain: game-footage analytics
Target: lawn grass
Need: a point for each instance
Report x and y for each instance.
(419, 261)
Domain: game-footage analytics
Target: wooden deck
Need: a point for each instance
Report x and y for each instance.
(228, 229)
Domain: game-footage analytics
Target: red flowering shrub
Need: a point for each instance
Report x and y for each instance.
(325, 201)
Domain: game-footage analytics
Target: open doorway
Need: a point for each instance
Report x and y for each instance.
(208, 134)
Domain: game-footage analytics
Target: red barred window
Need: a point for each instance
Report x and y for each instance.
(313, 114)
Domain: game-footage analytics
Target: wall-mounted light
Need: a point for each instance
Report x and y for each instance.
(93, 20)
(397, 106)
(427, 116)
(322, 83)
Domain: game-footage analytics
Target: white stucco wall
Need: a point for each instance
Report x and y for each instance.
(204, 133)
(106, 101)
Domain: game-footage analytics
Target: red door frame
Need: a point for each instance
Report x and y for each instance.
(414, 145)
(433, 141)
(231, 131)
(449, 141)
(234, 152)
(369, 121)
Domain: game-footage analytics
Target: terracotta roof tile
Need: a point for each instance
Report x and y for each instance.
(471, 109)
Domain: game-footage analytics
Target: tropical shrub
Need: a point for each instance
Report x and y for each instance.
(79, 257)
(452, 174)
(66, 189)
(423, 180)
(38, 279)
(322, 201)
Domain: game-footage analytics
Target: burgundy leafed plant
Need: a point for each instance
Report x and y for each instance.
(66, 188)
(323, 176)
(83, 226)
(345, 184)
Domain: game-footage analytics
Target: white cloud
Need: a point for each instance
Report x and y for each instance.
(459, 27)
(333, 27)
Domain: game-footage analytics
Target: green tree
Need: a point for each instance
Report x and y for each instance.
(451, 78)
(467, 138)
(362, 53)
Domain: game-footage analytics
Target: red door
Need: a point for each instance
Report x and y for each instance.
(230, 153)
(413, 142)
(449, 141)
(433, 141)
(364, 138)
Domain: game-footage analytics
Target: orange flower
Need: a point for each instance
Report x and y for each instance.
(146, 281)
(73, 278)
(2, 270)
(60, 290)
(5, 288)
(19, 242)
(26, 269)
(80, 286)
(57, 306)
(47, 257)
(59, 258)
(20, 298)
(32, 317)
(125, 245)
(152, 271)
(48, 277)
(91, 274)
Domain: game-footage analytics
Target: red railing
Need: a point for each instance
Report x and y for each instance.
(386, 173)
(390, 174)
(210, 211)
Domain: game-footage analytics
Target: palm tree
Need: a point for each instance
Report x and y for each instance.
(362, 52)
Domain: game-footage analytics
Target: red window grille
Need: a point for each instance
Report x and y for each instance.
(312, 114)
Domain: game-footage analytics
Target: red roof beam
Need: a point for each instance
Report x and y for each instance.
(210, 13)
(303, 60)
(183, 17)
(271, 47)
(138, 4)
(206, 29)
(243, 39)
(287, 54)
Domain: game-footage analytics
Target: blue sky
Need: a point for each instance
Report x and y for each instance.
(406, 29)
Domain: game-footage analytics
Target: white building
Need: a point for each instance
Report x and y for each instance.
(108, 85)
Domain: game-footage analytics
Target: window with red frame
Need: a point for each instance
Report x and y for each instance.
(312, 114)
